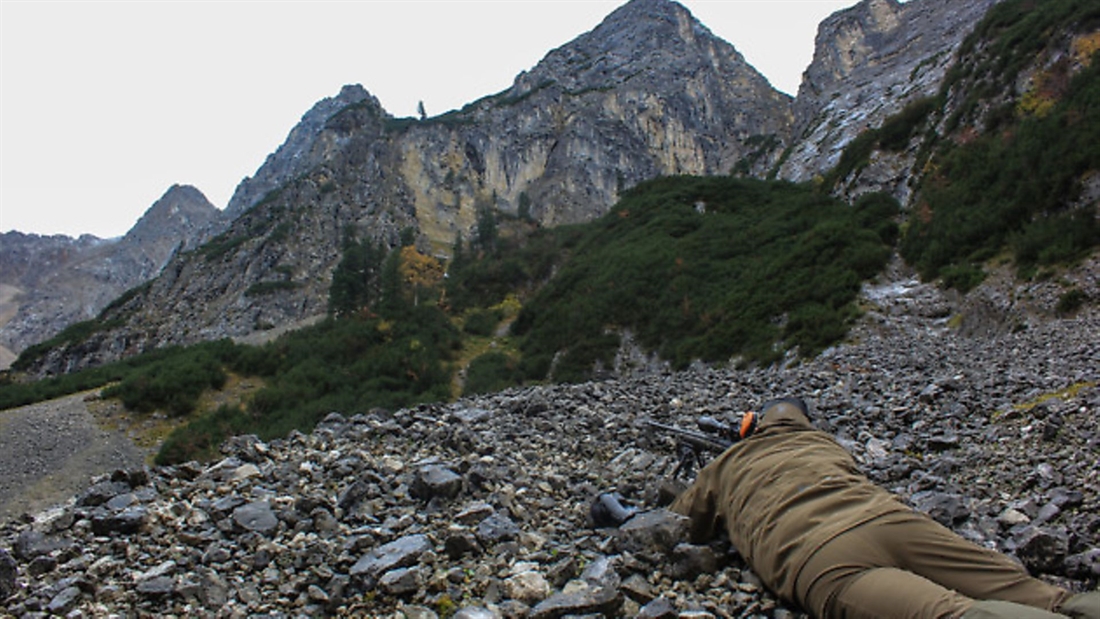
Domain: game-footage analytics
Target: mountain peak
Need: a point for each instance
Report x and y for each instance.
(182, 216)
(639, 39)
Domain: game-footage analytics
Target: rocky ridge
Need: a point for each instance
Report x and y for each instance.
(869, 62)
(480, 508)
(60, 281)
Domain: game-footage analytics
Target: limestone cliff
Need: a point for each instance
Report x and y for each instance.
(649, 91)
(870, 61)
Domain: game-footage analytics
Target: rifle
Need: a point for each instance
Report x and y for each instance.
(715, 438)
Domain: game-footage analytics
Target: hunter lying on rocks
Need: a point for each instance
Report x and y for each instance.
(821, 535)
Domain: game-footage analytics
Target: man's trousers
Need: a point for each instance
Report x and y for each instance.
(904, 565)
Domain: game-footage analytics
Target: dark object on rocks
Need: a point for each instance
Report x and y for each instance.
(435, 481)
(459, 544)
(8, 573)
(1041, 549)
(1051, 426)
(608, 510)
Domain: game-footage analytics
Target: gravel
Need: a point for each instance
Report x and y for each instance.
(51, 450)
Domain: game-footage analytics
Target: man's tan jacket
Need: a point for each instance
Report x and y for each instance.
(780, 495)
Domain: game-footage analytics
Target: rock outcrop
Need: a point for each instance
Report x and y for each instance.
(56, 281)
(869, 62)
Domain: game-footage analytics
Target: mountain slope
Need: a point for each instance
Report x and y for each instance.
(648, 92)
(62, 281)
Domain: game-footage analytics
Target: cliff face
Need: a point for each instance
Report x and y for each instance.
(650, 91)
(869, 62)
(55, 281)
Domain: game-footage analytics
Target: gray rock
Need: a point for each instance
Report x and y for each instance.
(689, 560)
(256, 516)
(30, 544)
(1084, 565)
(401, 581)
(65, 601)
(435, 481)
(579, 601)
(125, 522)
(529, 587)
(659, 608)
(157, 587)
(656, 531)
(497, 528)
(947, 509)
(459, 544)
(399, 553)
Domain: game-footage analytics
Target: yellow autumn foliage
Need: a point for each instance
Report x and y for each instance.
(419, 270)
(1085, 47)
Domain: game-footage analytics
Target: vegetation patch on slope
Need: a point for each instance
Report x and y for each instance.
(1015, 185)
(710, 269)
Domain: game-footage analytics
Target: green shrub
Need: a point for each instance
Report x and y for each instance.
(1070, 301)
(490, 372)
(347, 365)
(482, 322)
(200, 439)
(962, 277)
(264, 288)
(173, 384)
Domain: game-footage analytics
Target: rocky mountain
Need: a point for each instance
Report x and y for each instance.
(650, 91)
(52, 282)
(869, 62)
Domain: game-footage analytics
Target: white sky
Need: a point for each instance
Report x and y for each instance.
(105, 105)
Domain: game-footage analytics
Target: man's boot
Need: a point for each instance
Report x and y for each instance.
(1082, 606)
(998, 609)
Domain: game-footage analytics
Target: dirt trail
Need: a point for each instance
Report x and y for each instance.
(49, 451)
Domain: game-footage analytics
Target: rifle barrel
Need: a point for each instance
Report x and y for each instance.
(698, 440)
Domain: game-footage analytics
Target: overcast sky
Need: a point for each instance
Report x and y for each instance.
(105, 105)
